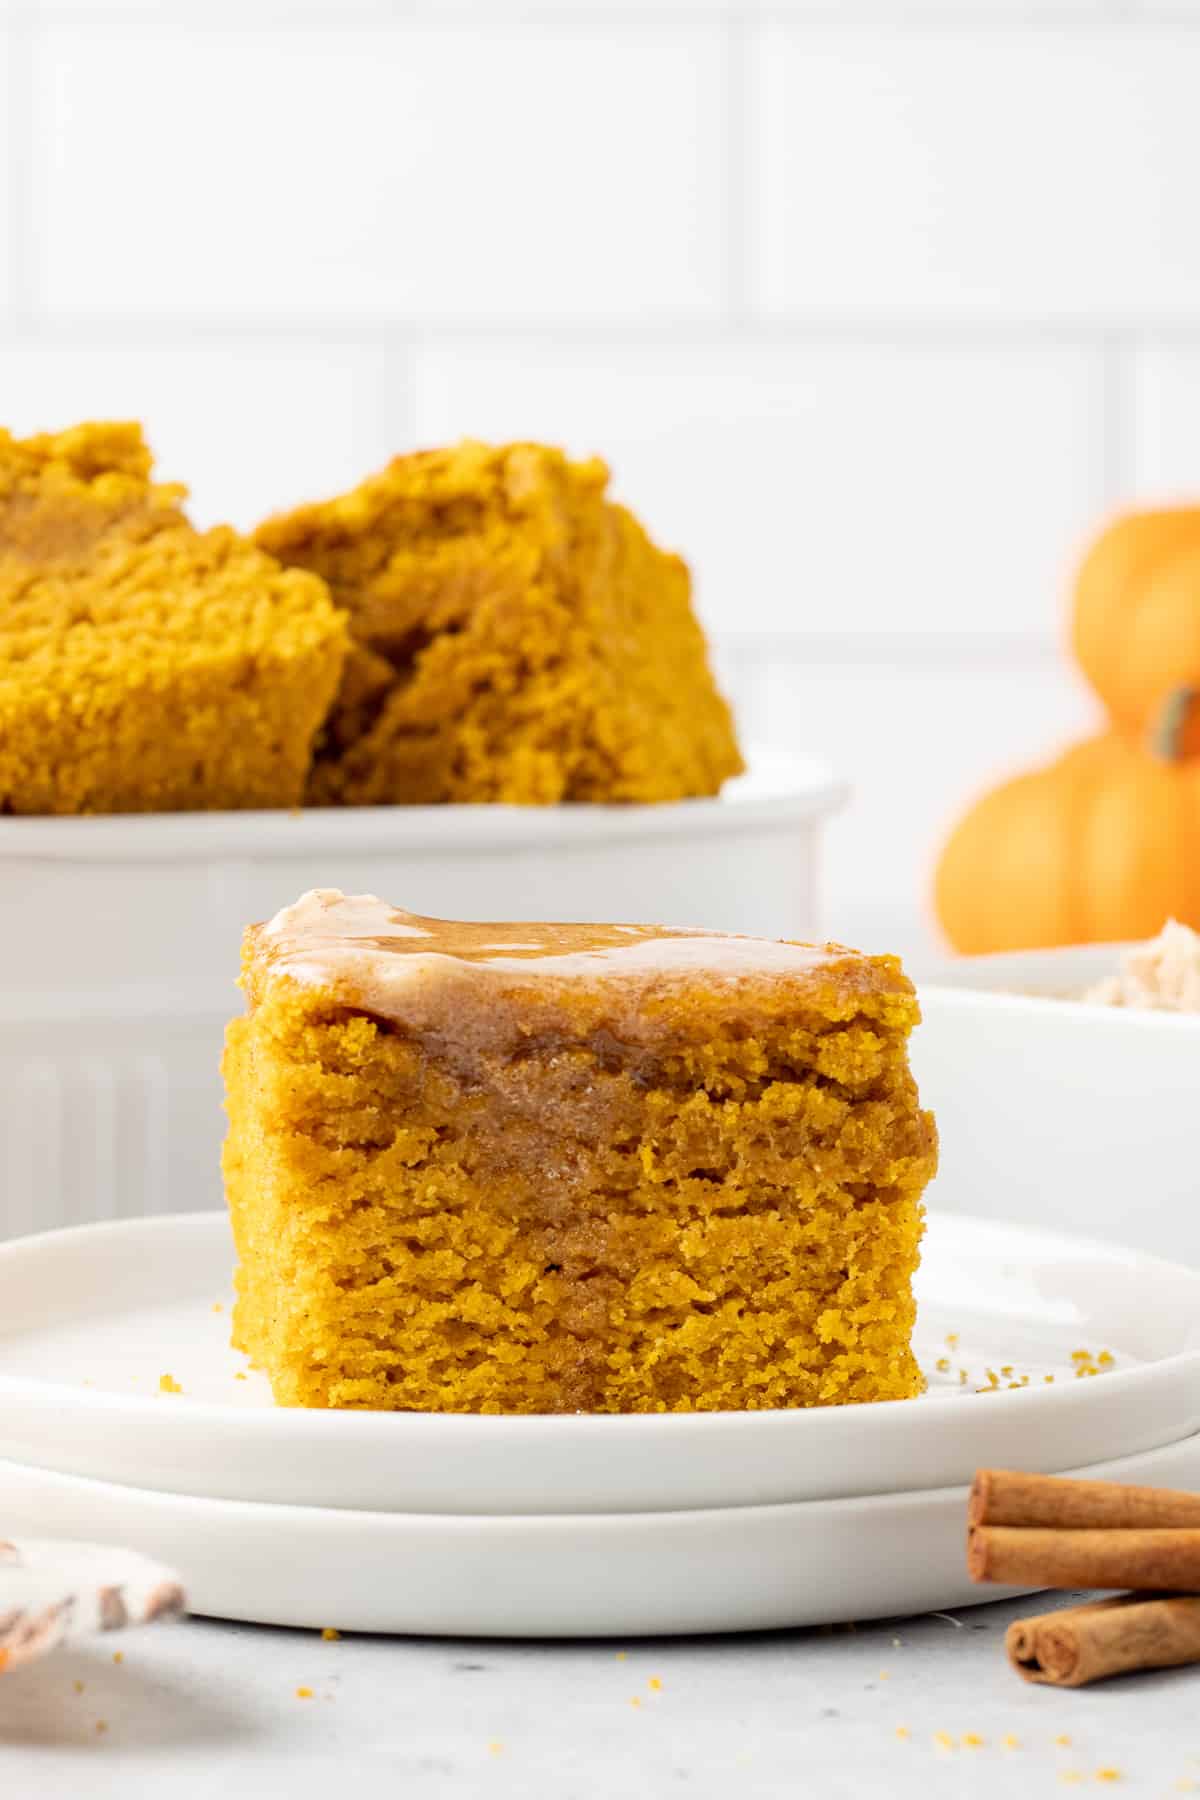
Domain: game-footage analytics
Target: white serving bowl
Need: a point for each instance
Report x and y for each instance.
(1055, 1113)
(119, 942)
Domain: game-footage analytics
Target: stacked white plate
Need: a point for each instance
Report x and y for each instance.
(570, 1526)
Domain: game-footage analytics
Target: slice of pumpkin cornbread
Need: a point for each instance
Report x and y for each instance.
(554, 1168)
(516, 637)
(145, 666)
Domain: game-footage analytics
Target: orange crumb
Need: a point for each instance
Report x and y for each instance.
(78, 1686)
(495, 1747)
(1108, 1774)
(655, 1683)
(942, 1365)
(217, 1307)
(1105, 1360)
(240, 1375)
(1006, 1368)
(636, 1701)
(884, 1675)
(304, 1693)
(621, 1655)
(1010, 1742)
(943, 1740)
(101, 1724)
(118, 1656)
(1047, 1378)
(330, 1635)
(952, 1340)
(993, 1380)
(1062, 1739)
(902, 1731)
(963, 1378)
(1081, 1356)
(167, 1384)
(973, 1741)
(1072, 1777)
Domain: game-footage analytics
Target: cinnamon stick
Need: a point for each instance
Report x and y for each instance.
(1039, 1556)
(1007, 1497)
(1080, 1644)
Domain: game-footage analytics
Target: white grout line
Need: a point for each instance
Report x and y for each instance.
(1119, 446)
(627, 15)
(743, 651)
(399, 395)
(738, 249)
(18, 141)
(949, 334)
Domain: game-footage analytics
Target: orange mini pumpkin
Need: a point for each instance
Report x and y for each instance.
(1103, 844)
(1136, 624)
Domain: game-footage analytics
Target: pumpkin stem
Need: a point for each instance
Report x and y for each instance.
(1167, 731)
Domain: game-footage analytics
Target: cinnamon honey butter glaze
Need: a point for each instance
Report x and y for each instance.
(539, 1168)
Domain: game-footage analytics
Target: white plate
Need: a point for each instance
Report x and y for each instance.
(119, 944)
(620, 1575)
(91, 1318)
(146, 912)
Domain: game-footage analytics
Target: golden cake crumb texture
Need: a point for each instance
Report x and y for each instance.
(614, 1179)
(516, 637)
(145, 666)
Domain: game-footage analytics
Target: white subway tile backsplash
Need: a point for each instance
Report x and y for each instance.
(249, 427)
(918, 745)
(843, 289)
(461, 170)
(825, 489)
(974, 172)
(12, 150)
(1163, 449)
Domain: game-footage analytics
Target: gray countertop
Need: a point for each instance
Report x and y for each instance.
(922, 1706)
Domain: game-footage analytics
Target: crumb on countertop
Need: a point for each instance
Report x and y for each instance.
(167, 1384)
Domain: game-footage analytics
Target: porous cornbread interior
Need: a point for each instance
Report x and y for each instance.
(599, 1168)
(517, 637)
(145, 666)
(62, 492)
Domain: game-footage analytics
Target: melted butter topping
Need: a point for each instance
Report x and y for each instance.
(330, 938)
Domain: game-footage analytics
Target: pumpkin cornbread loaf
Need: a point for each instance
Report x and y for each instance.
(145, 666)
(557, 1168)
(517, 637)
